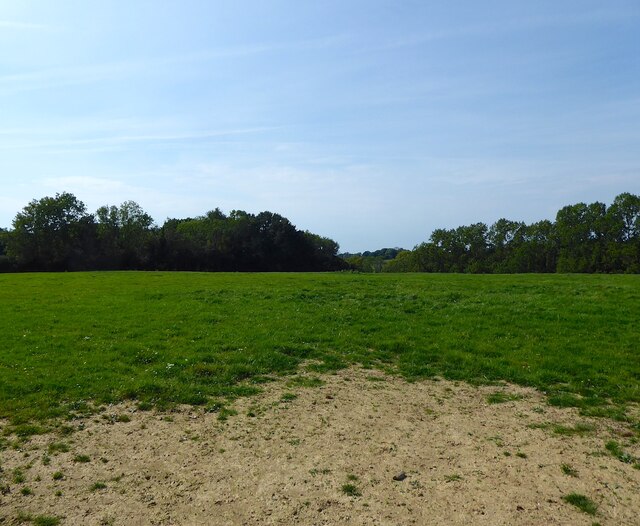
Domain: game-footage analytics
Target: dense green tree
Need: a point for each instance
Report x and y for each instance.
(124, 233)
(405, 261)
(584, 238)
(371, 261)
(5, 262)
(57, 233)
(580, 230)
(52, 233)
(623, 234)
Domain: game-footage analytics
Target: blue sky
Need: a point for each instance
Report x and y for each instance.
(371, 122)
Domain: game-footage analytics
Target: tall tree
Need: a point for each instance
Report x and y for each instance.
(124, 234)
(623, 233)
(580, 231)
(5, 262)
(52, 233)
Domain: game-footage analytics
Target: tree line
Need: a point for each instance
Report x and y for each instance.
(583, 238)
(59, 234)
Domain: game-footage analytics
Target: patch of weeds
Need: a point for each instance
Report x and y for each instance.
(26, 491)
(372, 378)
(123, 418)
(57, 447)
(23, 517)
(25, 431)
(214, 406)
(582, 502)
(45, 520)
(539, 425)
(260, 379)
(83, 459)
(497, 440)
(568, 470)
(294, 442)
(520, 454)
(579, 429)
(168, 418)
(565, 400)
(18, 476)
(452, 478)
(225, 413)
(288, 397)
(351, 490)
(46, 460)
(616, 450)
(65, 430)
(506, 453)
(501, 398)
(352, 477)
(144, 406)
(58, 493)
(608, 411)
(58, 475)
(96, 486)
(305, 381)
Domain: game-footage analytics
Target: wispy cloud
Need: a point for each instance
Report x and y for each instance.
(120, 141)
(92, 73)
(508, 26)
(12, 24)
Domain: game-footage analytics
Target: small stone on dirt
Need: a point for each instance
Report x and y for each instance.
(400, 476)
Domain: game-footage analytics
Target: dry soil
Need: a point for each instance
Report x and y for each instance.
(329, 456)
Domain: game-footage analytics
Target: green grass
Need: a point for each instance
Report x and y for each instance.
(618, 451)
(75, 341)
(568, 470)
(351, 490)
(581, 502)
(501, 398)
(96, 486)
(578, 429)
(37, 520)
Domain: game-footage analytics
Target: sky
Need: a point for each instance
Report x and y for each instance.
(371, 122)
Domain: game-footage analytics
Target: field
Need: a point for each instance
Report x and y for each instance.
(323, 386)
(71, 341)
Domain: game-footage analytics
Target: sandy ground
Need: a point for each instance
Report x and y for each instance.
(287, 461)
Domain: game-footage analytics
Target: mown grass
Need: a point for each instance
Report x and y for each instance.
(71, 342)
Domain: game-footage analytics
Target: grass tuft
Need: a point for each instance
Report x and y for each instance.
(351, 490)
(501, 398)
(582, 502)
(568, 470)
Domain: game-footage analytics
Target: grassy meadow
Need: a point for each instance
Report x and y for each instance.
(71, 342)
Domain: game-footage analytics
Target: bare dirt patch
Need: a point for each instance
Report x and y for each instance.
(331, 455)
